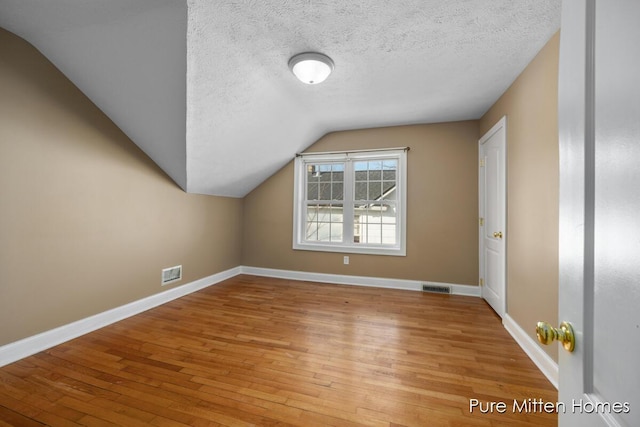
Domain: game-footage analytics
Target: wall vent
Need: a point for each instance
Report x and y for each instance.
(171, 274)
(436, 289)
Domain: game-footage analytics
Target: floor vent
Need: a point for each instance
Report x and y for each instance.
(171, 274)
(436, 289)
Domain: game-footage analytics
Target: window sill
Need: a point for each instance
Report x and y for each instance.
(347, 249)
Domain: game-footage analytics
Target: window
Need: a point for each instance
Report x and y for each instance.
(351, 202)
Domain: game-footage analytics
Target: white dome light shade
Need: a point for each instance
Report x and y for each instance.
(310, 67)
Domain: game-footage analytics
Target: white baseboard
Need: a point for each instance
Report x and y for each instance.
(338, 279)
(26, 347)
(543, 361)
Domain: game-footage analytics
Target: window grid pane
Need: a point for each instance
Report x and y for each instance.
(325, 181)
(375, 224)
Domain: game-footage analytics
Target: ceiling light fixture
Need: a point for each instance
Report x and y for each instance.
(311, 67)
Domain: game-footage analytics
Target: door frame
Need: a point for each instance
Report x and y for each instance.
(500, 124)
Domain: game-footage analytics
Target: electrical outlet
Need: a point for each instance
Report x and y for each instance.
(346, 260)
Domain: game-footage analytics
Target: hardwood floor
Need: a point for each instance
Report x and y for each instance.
(272, 352)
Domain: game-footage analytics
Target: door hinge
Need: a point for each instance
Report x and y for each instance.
(481, 163)
(481, 222)
(481, 282)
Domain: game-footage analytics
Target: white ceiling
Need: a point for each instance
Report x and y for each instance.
(204, 89)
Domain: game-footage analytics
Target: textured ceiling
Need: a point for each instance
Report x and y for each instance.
(203, 86)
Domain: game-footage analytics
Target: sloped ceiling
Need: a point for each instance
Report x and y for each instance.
(204, 89)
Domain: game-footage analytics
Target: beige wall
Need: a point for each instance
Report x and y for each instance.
(530, 105)
(87, 221)
(442, 206)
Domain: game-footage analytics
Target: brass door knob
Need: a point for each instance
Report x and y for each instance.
(497, 234)
(547, 334)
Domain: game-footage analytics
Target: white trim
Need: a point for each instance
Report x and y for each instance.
(542, 360)
(28, 346)
(339, 279)
(299, 205)
(502, 123)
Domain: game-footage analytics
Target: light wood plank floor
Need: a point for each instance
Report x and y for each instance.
(271, 352)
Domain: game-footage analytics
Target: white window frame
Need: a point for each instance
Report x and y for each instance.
(347, 245)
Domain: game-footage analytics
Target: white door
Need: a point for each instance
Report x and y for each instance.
(599, 122)
(492, 204)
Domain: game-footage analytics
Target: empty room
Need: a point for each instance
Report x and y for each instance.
(318, 213)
